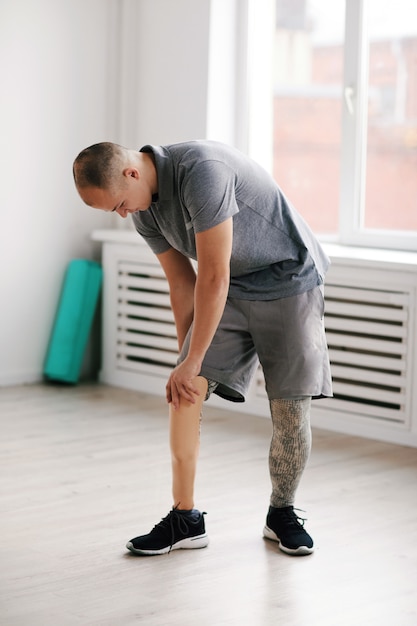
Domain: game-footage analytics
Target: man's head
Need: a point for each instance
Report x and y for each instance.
(113, 178)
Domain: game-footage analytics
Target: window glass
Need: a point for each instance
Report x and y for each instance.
(391, 163)
(308, 83)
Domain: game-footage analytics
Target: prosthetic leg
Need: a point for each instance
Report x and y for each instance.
(288, 456)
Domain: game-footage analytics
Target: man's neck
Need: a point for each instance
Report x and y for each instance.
(147, 167)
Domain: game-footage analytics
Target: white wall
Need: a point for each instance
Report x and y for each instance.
(165, 53)
(73, 73)
(55, 88)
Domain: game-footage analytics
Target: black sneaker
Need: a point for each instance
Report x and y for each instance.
(178, 530)
(285, 527)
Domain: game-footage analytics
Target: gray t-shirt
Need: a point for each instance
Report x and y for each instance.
(203, 183)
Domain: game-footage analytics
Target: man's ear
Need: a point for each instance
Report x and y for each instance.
(131, 172)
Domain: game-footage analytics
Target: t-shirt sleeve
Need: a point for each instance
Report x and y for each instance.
(146, 227)
(208, 192)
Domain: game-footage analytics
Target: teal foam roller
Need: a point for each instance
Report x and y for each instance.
(73, 321)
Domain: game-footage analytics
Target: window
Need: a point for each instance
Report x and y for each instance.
(391, 153)
(345, 117)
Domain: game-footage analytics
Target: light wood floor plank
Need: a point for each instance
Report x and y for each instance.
(83, 469)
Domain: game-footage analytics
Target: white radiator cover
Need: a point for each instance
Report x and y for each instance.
(370, 325)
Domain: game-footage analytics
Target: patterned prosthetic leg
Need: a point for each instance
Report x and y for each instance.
(290, 447)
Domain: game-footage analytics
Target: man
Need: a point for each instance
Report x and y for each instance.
(257, 294)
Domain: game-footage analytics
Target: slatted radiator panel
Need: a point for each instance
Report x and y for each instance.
(146, 335)
(369, 339)
(367, 331)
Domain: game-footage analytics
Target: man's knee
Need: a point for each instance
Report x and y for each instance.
(290, 413)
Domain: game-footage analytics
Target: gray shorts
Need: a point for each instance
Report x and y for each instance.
(286, 336)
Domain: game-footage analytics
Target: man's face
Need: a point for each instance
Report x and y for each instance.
(130, 198)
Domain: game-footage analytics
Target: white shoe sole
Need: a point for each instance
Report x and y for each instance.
(190, 543)
(300, 551)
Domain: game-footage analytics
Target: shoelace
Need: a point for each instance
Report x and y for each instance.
(294, 519)
(168, 523)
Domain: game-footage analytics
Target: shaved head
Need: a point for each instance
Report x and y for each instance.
(100, 165)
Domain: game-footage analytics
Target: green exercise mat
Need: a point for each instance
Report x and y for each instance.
(77, 305)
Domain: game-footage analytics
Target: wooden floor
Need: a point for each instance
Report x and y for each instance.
(83, 469)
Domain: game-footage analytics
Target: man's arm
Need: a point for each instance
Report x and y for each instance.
(181, 279)
(214, 248)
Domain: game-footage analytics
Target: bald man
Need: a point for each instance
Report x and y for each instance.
(257, 297)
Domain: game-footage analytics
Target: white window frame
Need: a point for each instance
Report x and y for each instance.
(354, 135)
